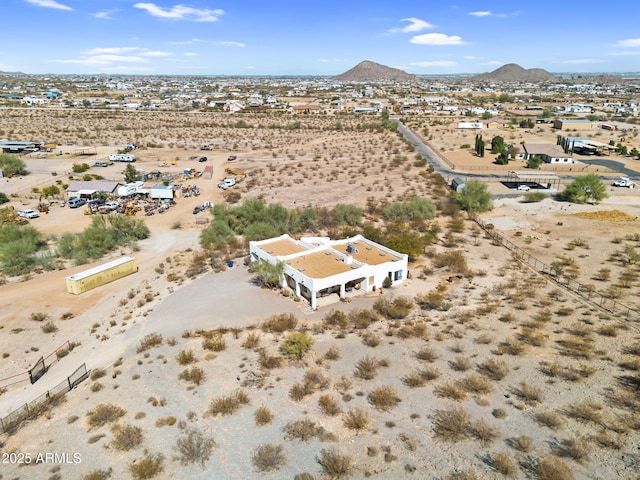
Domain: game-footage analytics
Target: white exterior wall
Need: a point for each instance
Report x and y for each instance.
(379, 272)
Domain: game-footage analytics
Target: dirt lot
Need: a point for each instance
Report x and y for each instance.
(488, 373)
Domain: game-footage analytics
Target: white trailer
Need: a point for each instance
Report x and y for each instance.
(122, 157)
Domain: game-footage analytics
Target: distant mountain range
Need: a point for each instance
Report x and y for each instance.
(512, 72)
(368, 71)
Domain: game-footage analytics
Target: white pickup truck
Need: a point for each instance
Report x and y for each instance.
(623, 182)
(227, 182)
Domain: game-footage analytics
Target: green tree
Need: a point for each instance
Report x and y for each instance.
(486, 116)
(3, 198)
(216, 235)
(497, 144)
(534, 162)
(297, 345)
(50, 191)
(131, 174)
(413, 209)
(585, 189)
(268, 274)
(474, 197)
(18, 247)
(503, 158)
(11, 165)
(346, 214)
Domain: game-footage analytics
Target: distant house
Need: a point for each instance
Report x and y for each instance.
(574, 123)
(470, 125)
(79, 188)
(550, 153)
(497, 123)
(307, 108)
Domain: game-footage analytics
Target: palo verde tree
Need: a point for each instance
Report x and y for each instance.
(585, 189)
(474, 197)
(131, 174)
(12, 166)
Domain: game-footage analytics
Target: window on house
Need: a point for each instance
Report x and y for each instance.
(397, 275)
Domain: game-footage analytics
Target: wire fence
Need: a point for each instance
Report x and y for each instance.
(603, 301)
(40, 367)
(44, 402)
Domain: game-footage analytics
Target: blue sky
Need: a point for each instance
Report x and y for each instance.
(309, 37)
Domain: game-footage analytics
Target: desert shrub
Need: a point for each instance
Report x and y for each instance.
(268, 457)
(414, 380)
(185, 357)
(149, 466)
(227, 405)
(263, 416)
(193, 447)
(334, 464)
(49, 327)
(270, 362)
(430, 373)
(356, 419)
(494, 369)
(452, 425)
(332, 354)
(460, 364)
(335, 319)
(476, 384)
(549, 419)
(511, 347)
(450, 390)
(96, 387)
(98, 474)
(454, 261)
(297, 345)
(530, 394)
(482, 431)
(585, 411)
(502, 464)
(167, 421)
(366, 368)
(427, 354)
(194, 375)
(384, 398)
(370, 339)
(97, 373)
(531, 336)
(522, 443)
(551, 468)
(126, 437)
(534, 197)
(280, 323)
(305, 429)
(361, 319)
(575, 448)
(215, 343)
(393, 309)
(329, 406)
(103, 414)
(149, 341)
(251, 341)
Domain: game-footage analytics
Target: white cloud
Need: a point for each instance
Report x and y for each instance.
(581, 61)
(415, 25)
(110, 50)
(480, 14)
(434, 63)
(187, 42)
(630, 42)
(104, 60)
(181, 12)
(472, 57)
(322, 60)
(437, 39)
(626, 53)
(229, 44)
(49, 4)
(156, 53)
(105, 14)
(190, 54)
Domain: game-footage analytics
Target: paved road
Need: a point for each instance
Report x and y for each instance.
(448, 173)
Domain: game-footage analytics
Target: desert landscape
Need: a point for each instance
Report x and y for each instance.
(478, 366)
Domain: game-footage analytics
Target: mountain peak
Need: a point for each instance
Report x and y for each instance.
(368, 71)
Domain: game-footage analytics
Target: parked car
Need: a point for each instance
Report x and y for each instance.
(77, 202)
(112, 205)
(202, 159)
(102, 164)
(623, 182)
(96, 201)
(524, 188)
(226, 183)
(30, 213)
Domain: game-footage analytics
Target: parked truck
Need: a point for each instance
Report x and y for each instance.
(623, 182)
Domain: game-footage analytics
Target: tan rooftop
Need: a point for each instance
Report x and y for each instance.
(367, 253)
(320, 264)
(281, 248)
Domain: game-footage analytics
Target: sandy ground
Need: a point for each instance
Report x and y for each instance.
(484, 316)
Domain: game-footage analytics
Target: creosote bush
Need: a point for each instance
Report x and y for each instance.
(356, 419)
(149, 341)
(366, 368)
(263, 416)
(193, 375)
(194, 447)
(334, 464)
(268, 457)
(329, 406)
(228, 405)
(149, 466)
(126, 437)
(384, 398)
(280, 323)
(103, 414)
(297, 345)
